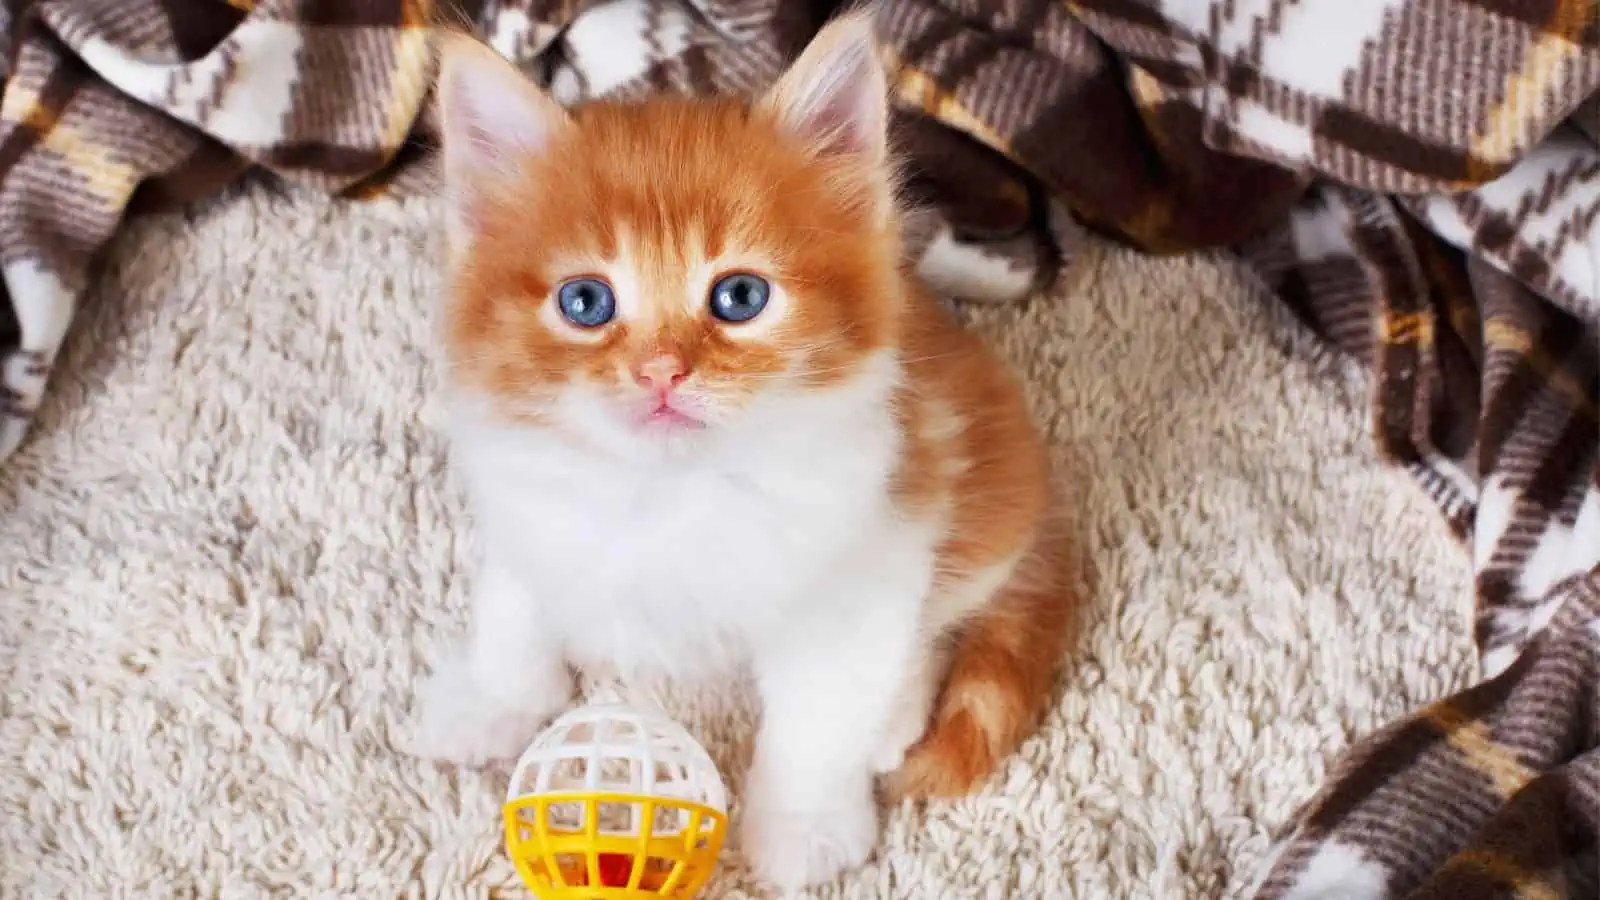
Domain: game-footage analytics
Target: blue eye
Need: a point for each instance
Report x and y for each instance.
(587, 302)
(739, 298)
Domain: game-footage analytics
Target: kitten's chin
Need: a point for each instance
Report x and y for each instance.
(669, 432)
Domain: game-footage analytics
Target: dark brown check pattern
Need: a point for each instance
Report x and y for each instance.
(1419, 180)
(112, 105)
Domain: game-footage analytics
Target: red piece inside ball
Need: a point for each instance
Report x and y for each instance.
(615, 869)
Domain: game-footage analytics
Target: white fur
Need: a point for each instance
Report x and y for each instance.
(768, 540)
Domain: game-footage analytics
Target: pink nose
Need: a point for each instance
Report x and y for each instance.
(660, 373)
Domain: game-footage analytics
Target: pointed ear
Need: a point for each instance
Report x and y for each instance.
(490, 119)
(835, 96)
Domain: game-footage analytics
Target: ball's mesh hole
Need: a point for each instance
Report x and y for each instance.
(566, 816)
(569, 773)
(616, 773)
(616, 818)
(527, 822)
(572, 866)
(668, 822)
(656, 870)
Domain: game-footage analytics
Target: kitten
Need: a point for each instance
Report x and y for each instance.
(707, 420)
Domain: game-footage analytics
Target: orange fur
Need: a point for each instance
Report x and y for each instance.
(972, 448)
(1001, 678)
(684, 190)
(676, 184)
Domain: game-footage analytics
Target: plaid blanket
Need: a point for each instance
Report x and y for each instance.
(1418, 179)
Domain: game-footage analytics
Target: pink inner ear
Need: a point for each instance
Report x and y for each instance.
(839, 98)
(840, 127)
(492, 115)
(480, 141)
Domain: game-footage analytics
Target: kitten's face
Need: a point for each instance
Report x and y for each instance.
(653, 273)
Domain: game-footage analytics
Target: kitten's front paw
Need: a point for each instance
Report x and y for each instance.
(808, 844)
(905, 729)
(464, 724)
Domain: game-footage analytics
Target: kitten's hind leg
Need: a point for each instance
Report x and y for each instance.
(489, 699)
(830, 686)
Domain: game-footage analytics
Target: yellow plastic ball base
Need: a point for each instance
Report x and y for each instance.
(558, 861)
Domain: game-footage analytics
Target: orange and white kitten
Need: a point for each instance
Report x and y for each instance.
(708, 421)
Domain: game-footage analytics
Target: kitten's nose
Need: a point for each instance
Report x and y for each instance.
(660, 373)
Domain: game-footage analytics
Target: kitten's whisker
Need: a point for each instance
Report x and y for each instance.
(933, 357)
(811, 229)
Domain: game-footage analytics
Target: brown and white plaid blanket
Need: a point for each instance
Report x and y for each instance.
(1418, 179)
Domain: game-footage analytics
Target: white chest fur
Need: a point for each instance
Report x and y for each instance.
(679, 564)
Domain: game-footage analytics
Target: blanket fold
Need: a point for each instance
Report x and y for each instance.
(1418, 180)
(1494, 792)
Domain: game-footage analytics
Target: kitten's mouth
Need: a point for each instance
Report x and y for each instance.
(665, 415)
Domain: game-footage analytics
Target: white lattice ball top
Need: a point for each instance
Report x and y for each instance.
(615, 748)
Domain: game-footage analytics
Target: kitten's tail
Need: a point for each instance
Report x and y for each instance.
(1001, 678)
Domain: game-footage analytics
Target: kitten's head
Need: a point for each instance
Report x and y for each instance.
(655, 272)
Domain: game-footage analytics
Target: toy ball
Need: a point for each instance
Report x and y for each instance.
(613, 802)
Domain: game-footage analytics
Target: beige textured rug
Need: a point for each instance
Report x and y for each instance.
(233, 547)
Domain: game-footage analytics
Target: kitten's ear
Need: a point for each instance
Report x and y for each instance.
(490, 118)
(835, 96)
